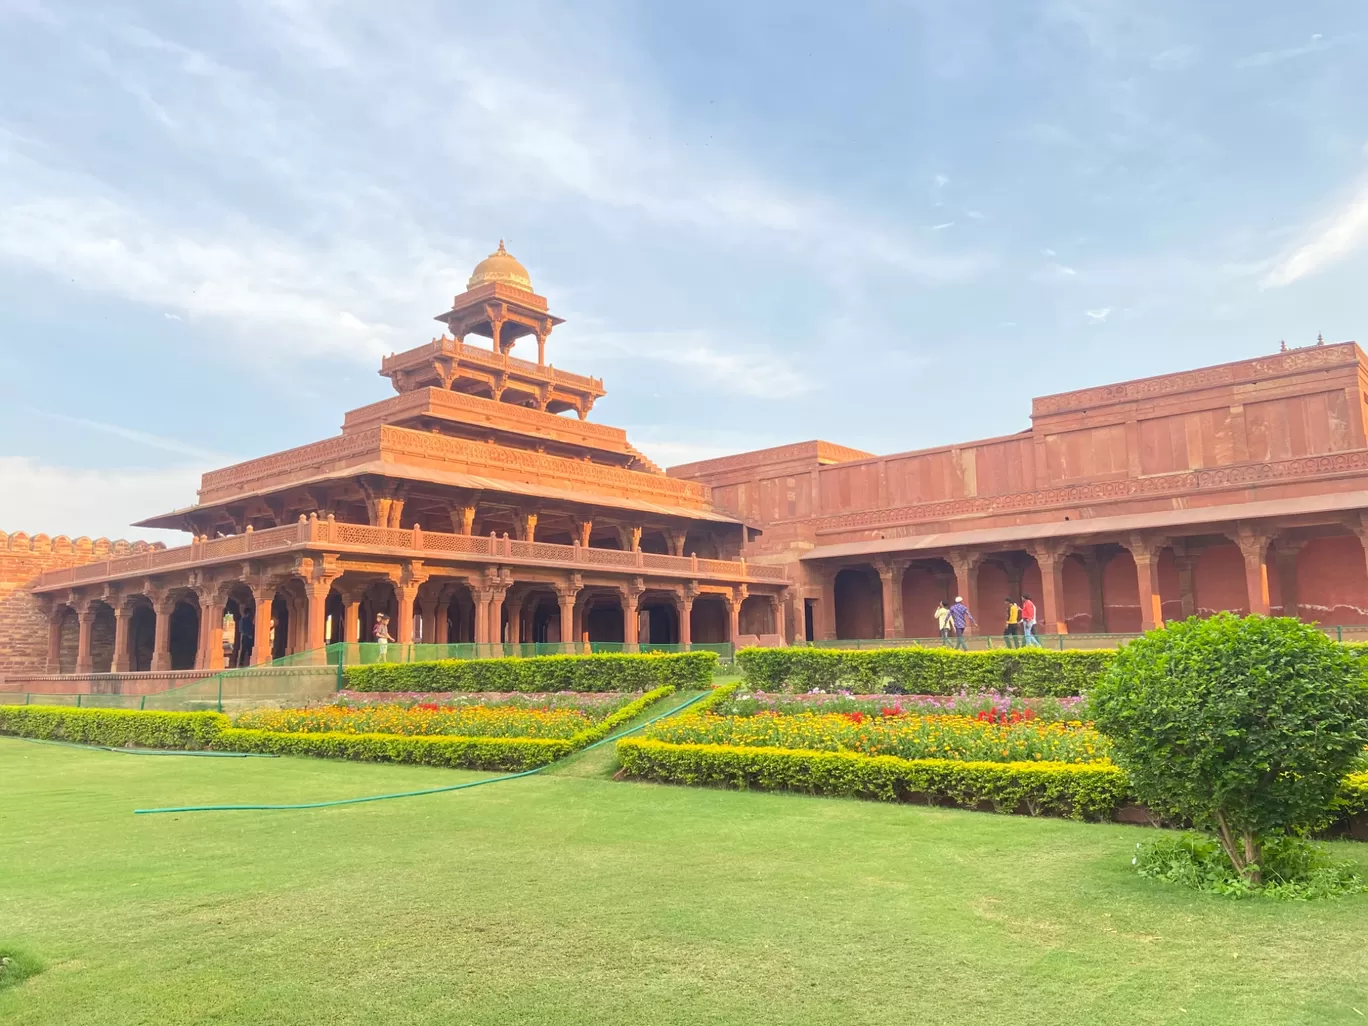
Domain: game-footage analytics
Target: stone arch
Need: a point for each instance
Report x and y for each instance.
(757, 616)
(281, 623)
(602, 616)
(142, 634)
(460, 615)
(379, 598)
(925, 584)
(710, 621)
(859, 603)
(239, 625)
(102, 638)
(334, 617)
(184, 631)
(659, 619)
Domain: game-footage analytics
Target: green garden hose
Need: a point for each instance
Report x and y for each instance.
(147, 751)
(414, 794)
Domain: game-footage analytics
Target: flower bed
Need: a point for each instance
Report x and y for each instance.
(906, 736)
(527, 716)
(978, 706)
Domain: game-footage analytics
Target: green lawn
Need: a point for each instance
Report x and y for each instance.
(569, 898)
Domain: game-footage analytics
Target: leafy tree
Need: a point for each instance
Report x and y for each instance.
(1244, 726)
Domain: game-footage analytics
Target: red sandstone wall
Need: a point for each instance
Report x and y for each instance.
(23, 628)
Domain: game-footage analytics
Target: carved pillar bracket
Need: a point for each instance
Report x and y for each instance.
(566, 593)
(891, 572)
(631, 597)
(85, 618)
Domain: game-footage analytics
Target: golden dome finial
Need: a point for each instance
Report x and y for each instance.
(502, 268)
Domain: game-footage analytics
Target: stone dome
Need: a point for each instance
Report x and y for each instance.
(500, 267)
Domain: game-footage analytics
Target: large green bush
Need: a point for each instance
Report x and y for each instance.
(600, 672)
(1033, 672)
(1245, 727)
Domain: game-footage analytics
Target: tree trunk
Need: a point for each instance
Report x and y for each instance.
(1227, 839)
(1252, 857)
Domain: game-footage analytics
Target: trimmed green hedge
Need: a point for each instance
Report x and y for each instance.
(118, 728)
(1031, 672)
(601, 672)
(1078, 791)
(486, 753)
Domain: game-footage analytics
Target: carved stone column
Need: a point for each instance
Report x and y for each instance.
(210, 654)
(442, 629)
(684, 600)
(734, 601)
(120, 662)
(496, 604)
(163, 606)
(777, 615)
(890, 579)
(316, 593)
(514, 605)
(1053, 618)
(1186, 564)
(565, 598)
(427, 611)
(1145, 551)
(965, 565)
(631, 597)
(85, 618)
(263, 597)
(463, 519)
(1254, 548)
(351, 616)
(1285, 552)
(826, 606)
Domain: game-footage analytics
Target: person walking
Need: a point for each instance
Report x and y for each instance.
(943, 623)
(959, 616)
(1011, 630)
(382, 636)
(1028, 622)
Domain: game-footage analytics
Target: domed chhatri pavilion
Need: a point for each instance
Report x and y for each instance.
(471, 507)
(465, 507)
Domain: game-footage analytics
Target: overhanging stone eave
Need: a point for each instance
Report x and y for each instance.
(474, 482)
(1158, 520)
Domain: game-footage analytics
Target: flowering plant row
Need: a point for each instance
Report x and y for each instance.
(430, 718)
(907, 736)
(747, 703)
(595, 705)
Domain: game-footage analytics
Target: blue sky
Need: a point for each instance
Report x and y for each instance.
(884, 224)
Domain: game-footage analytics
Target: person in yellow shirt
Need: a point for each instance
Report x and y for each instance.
(1011, 631)
(944, 623)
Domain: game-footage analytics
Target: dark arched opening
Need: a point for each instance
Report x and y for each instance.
(142, 637)
(659, 623)
(757, 616)
(69, 641)
(185, 624)
(710, 623)
(859, 604)
(280, 626)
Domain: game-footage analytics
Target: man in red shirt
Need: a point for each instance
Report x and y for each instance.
(1028, 621)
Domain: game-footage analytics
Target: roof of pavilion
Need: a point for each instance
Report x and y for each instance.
(452, 479)
(1159, 520)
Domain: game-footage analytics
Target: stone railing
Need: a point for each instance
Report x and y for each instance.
(411, 543)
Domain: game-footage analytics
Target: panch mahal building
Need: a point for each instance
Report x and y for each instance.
(480, 504)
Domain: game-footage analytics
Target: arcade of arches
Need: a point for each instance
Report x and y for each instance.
(1109, 587)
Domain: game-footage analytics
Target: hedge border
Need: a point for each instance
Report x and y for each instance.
(605, 671)
(1030, 672)
(1073, 790)
(119, 728)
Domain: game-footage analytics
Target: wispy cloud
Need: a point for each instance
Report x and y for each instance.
(753, 372)
(1099, 315)
(152, 441)
(1330, 241)
(1266, 57)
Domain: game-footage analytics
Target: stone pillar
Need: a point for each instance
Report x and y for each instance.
(684, 601)
(427, 609)
(351, 617)
(496, 605)
(781, 629)
(630, 594)
(1096, 567)
(1285, 551)
(463, 519)
(210, 655)
(890, 579)
(85, 617)
(441, 633)
(316, 595)
(263, 595)
(965, 566)
(1254, 548)
(825, 628)
(565, 597)
(161, 645)
(734, 601)
(1145, 552)
(515, 615)
(1052, 618)
(54, 652)
(405, 594)
(120, 662)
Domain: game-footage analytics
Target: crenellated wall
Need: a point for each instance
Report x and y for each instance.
(23, 625)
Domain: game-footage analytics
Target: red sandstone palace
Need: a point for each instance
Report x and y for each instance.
(468, 508)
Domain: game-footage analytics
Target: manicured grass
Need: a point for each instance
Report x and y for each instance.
(569, 898)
